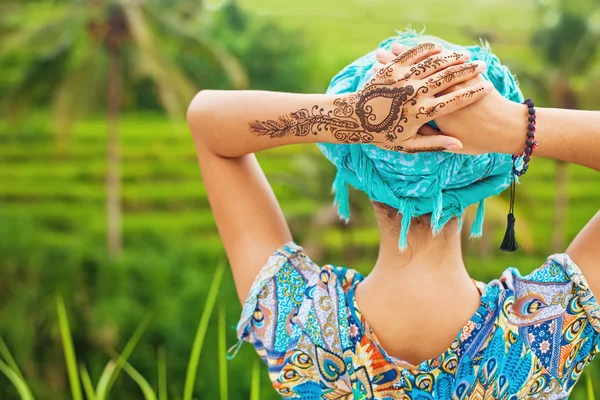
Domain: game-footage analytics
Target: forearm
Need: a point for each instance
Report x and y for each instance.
(235, 123)
(569, 135)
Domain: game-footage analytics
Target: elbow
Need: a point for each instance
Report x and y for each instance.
(199, 112)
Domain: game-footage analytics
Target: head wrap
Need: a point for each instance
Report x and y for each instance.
(441, 184)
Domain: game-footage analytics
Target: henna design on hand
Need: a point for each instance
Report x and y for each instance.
(432, 149)
(359, 117)
(412, 150)
(451, 74)
(365, 114)
(415, 51)
(430, 111)
(388, 69)
(431, 63)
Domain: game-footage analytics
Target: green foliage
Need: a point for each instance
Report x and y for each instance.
(52, 199)
(112, 369)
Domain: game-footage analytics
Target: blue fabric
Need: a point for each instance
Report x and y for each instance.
(441, 184)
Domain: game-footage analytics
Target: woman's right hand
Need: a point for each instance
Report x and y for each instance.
(400, 98)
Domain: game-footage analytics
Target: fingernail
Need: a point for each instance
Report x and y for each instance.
(488, 87)
(453, 146)
(481, 66)
(465, 56)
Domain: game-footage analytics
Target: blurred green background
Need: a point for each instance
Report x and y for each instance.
(101, 200)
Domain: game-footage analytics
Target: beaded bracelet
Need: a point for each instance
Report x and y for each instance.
(530, 143)
(510, 241)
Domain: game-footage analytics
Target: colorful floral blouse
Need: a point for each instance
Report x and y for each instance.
(530, 338)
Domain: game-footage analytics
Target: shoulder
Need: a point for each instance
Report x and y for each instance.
(554, 313)
(290, 292)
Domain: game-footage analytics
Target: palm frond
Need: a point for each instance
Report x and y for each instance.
(155, 66)
(230, 64)
(39, 25)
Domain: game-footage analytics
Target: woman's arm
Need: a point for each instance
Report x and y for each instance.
(229, 126)
(496, 124)
(568, 135)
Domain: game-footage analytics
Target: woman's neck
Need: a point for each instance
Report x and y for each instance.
(417, 301)
(438, 256)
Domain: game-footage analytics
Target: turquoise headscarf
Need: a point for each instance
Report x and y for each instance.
(440, 184)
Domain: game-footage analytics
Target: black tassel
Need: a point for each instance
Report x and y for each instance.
(510, 241)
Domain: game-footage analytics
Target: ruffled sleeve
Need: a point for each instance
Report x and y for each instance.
(269, 314)
(558, 316)
(584, 294)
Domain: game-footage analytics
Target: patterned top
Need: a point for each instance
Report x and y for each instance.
(530, 338)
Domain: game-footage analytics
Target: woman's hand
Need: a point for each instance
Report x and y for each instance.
(401, 97)
(390, 109)
(494, 124)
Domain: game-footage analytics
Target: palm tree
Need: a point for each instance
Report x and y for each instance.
(567, 44)
(80, 51)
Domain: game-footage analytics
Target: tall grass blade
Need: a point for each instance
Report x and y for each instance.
(255, 381)
(69, 350)
(8, 358)
(129, 347)
(222, 348)
(162, 373)
(190, 377)
(140, 380)
(17, 381)
(88, 387)
(104, 379)
(590, 386)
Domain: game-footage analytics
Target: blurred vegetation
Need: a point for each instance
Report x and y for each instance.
(53, 191)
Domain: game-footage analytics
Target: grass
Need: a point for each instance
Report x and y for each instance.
(201, 333)
(79, 377)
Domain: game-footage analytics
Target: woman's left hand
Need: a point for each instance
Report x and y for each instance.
(493, 124)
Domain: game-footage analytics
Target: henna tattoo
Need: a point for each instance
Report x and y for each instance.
(431, 63)
(365, 113)
(413, 150)
(381, 107)
(415, 51)
(388, 69)
(450, 74)
(396, 147)
(465, 95)
(432, 149)
(430, 111)
(301, 123)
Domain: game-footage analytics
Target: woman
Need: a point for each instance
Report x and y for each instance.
(417, 327)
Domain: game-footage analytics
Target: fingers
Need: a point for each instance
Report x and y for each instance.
(398, 48)
(436, 63)
(462, 85)
(431, 143)
(418, 53)
(453, 101)
(384, 56)
(452, 75)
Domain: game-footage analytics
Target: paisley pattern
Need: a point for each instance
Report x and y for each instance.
(531, 336)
